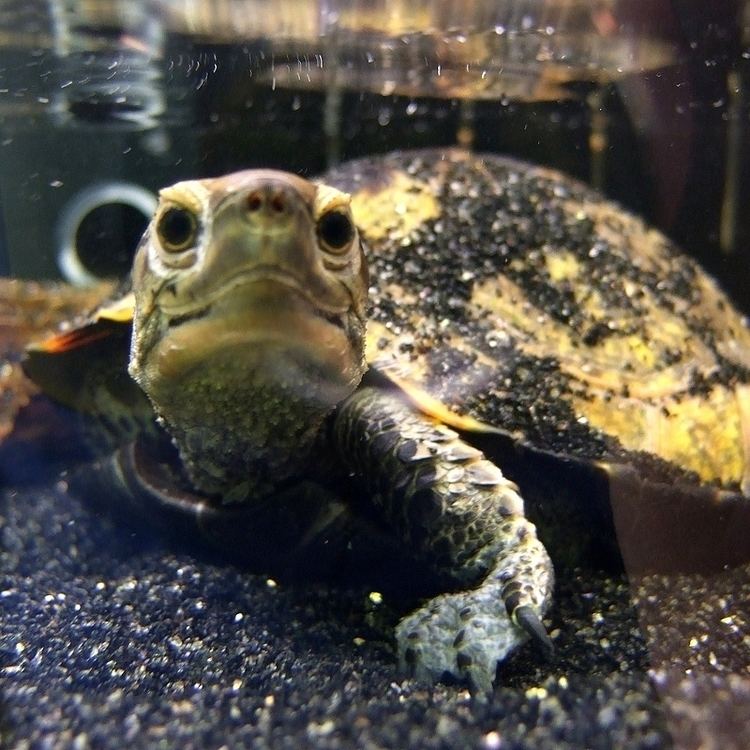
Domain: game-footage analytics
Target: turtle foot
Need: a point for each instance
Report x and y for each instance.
(463, 635)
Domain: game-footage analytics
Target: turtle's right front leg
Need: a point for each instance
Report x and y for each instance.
(456, 510)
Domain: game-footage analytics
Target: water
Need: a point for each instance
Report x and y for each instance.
(101, 105)
(646, 103)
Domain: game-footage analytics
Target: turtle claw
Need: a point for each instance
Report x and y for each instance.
(529, 621)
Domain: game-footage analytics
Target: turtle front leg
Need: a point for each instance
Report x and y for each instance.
(456, 510)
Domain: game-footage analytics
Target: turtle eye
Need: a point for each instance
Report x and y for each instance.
(177, 229)
(335, 230)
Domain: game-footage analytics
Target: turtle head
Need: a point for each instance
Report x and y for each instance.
(250, 295)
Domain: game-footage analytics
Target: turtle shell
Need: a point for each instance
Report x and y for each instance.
(511, 297)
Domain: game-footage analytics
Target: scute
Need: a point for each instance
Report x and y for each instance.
(521, 299)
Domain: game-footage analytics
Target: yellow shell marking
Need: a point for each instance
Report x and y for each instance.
(119, 311)
(411, 202)
(624, 391)
(563, 267)
(707, 434)
(616, 361)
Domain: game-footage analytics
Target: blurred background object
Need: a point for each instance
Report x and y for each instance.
(645, 99)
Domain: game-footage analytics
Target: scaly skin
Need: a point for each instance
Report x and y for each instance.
(456, 510)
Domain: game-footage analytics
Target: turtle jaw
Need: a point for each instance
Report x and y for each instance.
(264, 324)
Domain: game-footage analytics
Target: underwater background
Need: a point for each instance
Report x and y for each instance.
(109, 635)
(647, 100)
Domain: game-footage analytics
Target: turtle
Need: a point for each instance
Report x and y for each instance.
(407, 352)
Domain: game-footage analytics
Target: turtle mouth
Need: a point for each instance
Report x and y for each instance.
(175, 321)
(253, 289)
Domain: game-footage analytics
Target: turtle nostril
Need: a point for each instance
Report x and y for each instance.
(278, 205)
(254, 202)
(266, 201)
